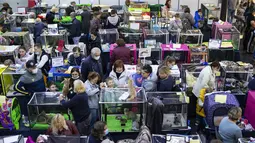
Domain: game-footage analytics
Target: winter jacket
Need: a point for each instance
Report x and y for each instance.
(154, 115)
(75, 29)
(72, 130)
(90, 44)
(46, 67)
(79, 107)
(38, 29)
(50, 16)
(190, 20)
(85, 18)
(166, 84)
(112, 22)
(206, 79)
(123, 79)
(69, 10)
(197, 18)
(137, 78)
(150, 84)
(90, 65)
(73, 61)
(93, 94)
(30, 83)
(121, 53)
(95, 24)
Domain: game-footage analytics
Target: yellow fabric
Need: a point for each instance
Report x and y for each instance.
(199, 109)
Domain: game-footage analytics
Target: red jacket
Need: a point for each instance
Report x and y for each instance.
(121, 53)
(72, 130)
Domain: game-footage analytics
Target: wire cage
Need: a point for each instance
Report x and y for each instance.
(210, 11)
(191, 37)
(230, 34)
(161, 36)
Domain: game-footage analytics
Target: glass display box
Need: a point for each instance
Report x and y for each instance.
(191, 37)
(135, 38)
(42, 107)
(51, 40)
(229, 34)
(108, 36)
(161, 36)
(123, 110)
(210, 12)
(8, 52)
(10, 77)
(175, 109)
(198, 54)
(19, 38)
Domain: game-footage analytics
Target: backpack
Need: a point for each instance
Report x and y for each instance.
(213, 109)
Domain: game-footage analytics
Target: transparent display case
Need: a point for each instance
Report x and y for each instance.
(175, 109)
(20, 38)
(210, 11)
(229, 34)
(191, 37)
(42, 107)
(198, 54)
(120, 111)
(108, 36)
(161, 36)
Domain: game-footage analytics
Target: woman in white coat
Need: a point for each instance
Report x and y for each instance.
(206, 78)
(119, 74)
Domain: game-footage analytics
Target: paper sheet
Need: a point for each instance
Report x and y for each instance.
(220, 98)
(135, 26)
(176, 46)
(11, 139)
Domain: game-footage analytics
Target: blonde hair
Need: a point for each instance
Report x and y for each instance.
(79, 86)
(38, 20)
(54, 9)
(58, 123)
(164, 70)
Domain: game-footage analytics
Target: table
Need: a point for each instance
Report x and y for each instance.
(181, 54)
(59, 72)
(133, 49)
(24, 38)
(8, 51)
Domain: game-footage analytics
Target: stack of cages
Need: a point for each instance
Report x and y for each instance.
(175, 109)
(108, 37)
(122, 109)
(210, 12)
(237, 77)
(42, 107)
(229, 34)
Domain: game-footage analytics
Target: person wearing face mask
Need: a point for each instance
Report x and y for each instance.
(99, 133)
(119, 74)
(206, 78)
(22, 57)
(199, 18)
(92, 63)
(42, 59)
(79, 107)
(7, 8)
(92, 89)
(76, 58)
(68, 88)
(175, 27)
(229, 132)
(31, 81)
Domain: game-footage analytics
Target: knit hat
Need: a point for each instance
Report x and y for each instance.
(30, 64)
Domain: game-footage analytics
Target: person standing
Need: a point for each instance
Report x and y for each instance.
(166, 9)
(232, 6)
(113, 21)
(95, 23)
(50, 16)
(85, 18)
(38, 30)
(75, 29)
(7, 8)
(76, 58)
(126, 12)
(71, 8)
(121, 53)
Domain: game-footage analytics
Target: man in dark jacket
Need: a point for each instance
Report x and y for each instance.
(92, 41)
(38, 30)
(50, 16)
(28, 84)
(113, 20)
(71, 8)
(75, 29)
(92, 64)
(86, 17)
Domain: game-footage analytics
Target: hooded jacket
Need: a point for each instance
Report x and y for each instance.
(122, 80)
(150, 84)
(197, 18)
(112, 22)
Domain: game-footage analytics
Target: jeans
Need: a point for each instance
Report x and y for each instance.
(76, 40)
(94, 116)
(231, 14)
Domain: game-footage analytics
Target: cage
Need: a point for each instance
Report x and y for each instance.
(175, 109)
(18, 38)
(179, 51)
(133, 38)
(198, 54)
(210, 11)
(108, 36)
(161, 36)
(191, 37)
(231, 35)
(122, 109)
(42, 107)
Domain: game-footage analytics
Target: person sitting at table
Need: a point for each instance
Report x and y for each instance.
(38, 30)
(23, 56)
(119, 74)
(29, 83)
(229, 132)
(75, 59)
(113, 20)
(99, 133)
(166, 82)
(59, 126)
(50, 16)
(121, 52)
(79, 107)
(7, 8)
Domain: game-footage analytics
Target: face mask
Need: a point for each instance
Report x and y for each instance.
(75, 77)
(106, 132)
(34, 71)
(37, 53)
(4, 12)
(96, 58)
(170, 66)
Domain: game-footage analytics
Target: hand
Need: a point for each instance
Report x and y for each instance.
(102, 85)
(31, 50)
(61, 97)
(66, 81)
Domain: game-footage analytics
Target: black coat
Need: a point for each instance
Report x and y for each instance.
(86, 17)
(50, 17)
(91, 43)
(75, 29)
(69, 10)
(46, 68)
(91, 65)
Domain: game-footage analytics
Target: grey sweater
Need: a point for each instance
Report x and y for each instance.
(229, 131)
(93, 93)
